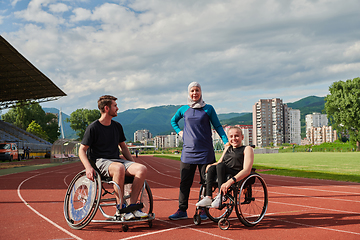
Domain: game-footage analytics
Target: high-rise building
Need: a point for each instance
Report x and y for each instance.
(274, 123)
(294, 126)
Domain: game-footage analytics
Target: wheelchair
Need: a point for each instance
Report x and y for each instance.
(249, 197)
(84, 197)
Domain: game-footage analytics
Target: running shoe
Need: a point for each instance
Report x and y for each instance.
(216, 201)
(203, 215)
(129, 216)
(178, 215)
(205, 202)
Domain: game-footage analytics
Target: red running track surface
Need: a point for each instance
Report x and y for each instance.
(31, 206)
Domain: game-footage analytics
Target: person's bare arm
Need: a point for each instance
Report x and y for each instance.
(90, 171)
(125, 151)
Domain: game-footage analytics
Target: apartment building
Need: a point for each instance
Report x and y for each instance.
(167, 141)
(142, 135)
(294, 126)
(160, 141)
(315, 120)
(269, 122)
(274, 123)
(319, 135)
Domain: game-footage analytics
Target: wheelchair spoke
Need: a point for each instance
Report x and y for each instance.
(252, 200)
(81, 200)
(215, 214)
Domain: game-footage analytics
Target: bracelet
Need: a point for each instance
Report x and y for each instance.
(234, 179)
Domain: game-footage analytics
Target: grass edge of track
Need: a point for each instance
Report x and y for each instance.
(13, 170)
(293, 173)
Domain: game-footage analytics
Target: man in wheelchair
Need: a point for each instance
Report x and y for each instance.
(99, 150)
(236, 160)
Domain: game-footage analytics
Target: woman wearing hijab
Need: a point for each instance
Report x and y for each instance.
(198, 148)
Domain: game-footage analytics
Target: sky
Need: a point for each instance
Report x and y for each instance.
(146, 52)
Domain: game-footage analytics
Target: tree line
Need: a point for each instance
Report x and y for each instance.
(33, 119)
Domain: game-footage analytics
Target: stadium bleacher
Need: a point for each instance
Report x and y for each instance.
(11, 133)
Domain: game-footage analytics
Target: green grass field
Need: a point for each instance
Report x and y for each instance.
(320, 165)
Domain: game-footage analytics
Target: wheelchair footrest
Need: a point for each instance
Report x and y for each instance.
(132, 208)
(149, 218)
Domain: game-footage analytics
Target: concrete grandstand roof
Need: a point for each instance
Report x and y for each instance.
(20, 81)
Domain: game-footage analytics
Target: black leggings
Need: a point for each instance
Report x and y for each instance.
(187, 172)
(220, 171)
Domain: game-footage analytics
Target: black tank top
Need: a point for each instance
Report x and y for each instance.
(234, 158)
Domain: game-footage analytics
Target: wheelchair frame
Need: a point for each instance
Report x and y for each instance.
(249, 197)
(84, 197)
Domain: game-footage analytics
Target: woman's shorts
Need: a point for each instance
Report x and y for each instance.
(103, 165)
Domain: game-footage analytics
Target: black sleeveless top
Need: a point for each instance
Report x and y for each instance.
(234, 158)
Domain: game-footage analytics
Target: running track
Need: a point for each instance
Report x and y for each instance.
(31, 205)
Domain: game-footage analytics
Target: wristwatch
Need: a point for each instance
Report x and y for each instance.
(234, 179)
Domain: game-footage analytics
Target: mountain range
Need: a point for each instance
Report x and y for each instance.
(157, 119)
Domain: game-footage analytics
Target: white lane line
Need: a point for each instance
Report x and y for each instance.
(311, 181)
(190, 226)
(318, 208)
(314, 189)
(146, 163)
(280, 193)
(307, 196)
(306, 225)
(39, 214)
(291, 204)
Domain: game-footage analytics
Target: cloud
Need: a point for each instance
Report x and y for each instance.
(36, 13)
(80, 14)
(14, 2)
(59, 8)
(147, 52)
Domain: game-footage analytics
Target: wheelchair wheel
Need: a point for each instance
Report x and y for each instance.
(216, 214)
(224, 224)
(82, 200)
(145, 197)
(197, 219)
(251, 200)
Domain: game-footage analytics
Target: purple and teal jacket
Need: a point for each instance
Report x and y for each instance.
(198, 146)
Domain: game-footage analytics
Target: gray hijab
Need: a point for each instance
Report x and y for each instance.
(200, 103)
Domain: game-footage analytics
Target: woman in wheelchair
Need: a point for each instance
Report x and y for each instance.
(236, 160)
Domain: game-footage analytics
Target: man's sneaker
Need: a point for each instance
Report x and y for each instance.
(205, 202)
(128, 216)
(118, 214)
(178, 215)
(203, 215)
(216, 201)
(140, 214)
